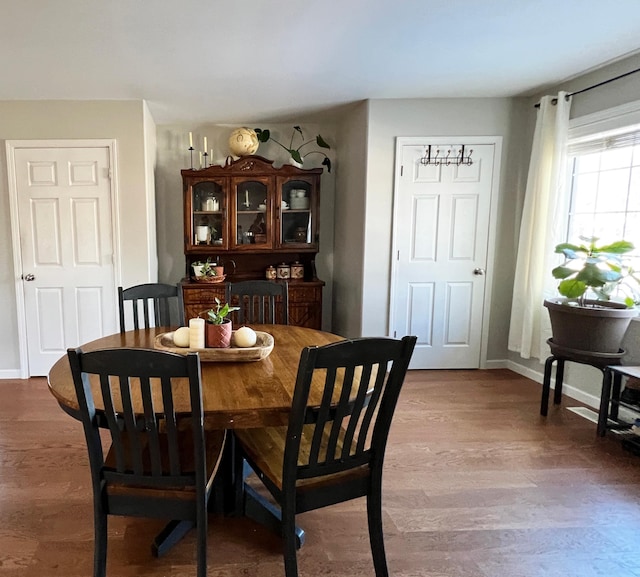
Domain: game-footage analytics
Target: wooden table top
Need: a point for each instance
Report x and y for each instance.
(235, 395)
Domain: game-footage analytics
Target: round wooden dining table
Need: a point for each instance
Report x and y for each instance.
(234, 394)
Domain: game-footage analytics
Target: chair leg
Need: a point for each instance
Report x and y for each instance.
(376, 536)
(239, 475)
(100, 541)
(202, 540)
(289, 542)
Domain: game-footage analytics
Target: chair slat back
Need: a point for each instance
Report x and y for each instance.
(152, 304)
(361, 381)
(260, 301)
(137, 388)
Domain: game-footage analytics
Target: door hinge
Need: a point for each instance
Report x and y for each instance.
(401, 169)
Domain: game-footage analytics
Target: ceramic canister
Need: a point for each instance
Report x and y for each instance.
(271, 273)
(297, 270)
(284, 271)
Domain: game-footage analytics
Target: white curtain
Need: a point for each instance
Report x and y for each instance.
(543, 223)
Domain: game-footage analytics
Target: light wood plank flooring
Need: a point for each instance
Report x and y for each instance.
(476, 484)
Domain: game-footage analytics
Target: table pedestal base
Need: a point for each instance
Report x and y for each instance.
(230, 496)
(257, 508)
(169, 536)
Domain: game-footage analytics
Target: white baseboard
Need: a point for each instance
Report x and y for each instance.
(538, 376)
(10, 374)
(497, 364)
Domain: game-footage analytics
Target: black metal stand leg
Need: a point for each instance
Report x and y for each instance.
(546, 386)
(557, 393)
(615, 395)
(605, 397)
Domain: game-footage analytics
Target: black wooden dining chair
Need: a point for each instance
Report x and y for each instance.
(160, 464)
(333, 450)
(161, 303)
(260, 301)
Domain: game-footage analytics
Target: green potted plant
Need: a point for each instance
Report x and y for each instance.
(598, 324)
(297, 154)
(218, 327)
(207, 269)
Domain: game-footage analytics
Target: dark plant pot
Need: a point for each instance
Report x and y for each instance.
(598, 327)
(218, 336)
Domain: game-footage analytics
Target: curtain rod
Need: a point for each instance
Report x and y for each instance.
(555, 100)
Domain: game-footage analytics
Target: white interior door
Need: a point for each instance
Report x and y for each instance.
(441, 234)
(66, 246)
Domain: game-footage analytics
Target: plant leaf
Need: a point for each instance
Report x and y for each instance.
(321, 143)
(562, 272)
(326, 162)
(619, 247)
(572, 288)
(572, 248)
(298, 129)
(593, 275)
(263, 135)
(296, 156)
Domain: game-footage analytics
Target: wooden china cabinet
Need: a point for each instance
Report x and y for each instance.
(248, 216)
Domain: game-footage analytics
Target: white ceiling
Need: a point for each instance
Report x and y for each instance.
(269, 60)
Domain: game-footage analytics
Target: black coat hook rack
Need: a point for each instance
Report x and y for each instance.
(434, 156)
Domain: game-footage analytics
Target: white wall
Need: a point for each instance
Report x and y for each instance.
(125, 121)
(372, 218)
(351, 199)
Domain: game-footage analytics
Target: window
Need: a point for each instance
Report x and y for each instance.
(604, 174)
(604, 187)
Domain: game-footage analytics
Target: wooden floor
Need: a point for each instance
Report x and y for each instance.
(476, 484)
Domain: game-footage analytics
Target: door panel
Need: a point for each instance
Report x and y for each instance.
(437, 295)
(64, 214)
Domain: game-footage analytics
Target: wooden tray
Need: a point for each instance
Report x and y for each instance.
(262, 350)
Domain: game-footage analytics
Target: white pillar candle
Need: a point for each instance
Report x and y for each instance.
(196, 333)
(200, 157)
(246, 198)
(205, 144)
(191, 140)
(211, 156)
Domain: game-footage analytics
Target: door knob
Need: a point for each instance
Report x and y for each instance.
(478, 271)
(28, 277)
